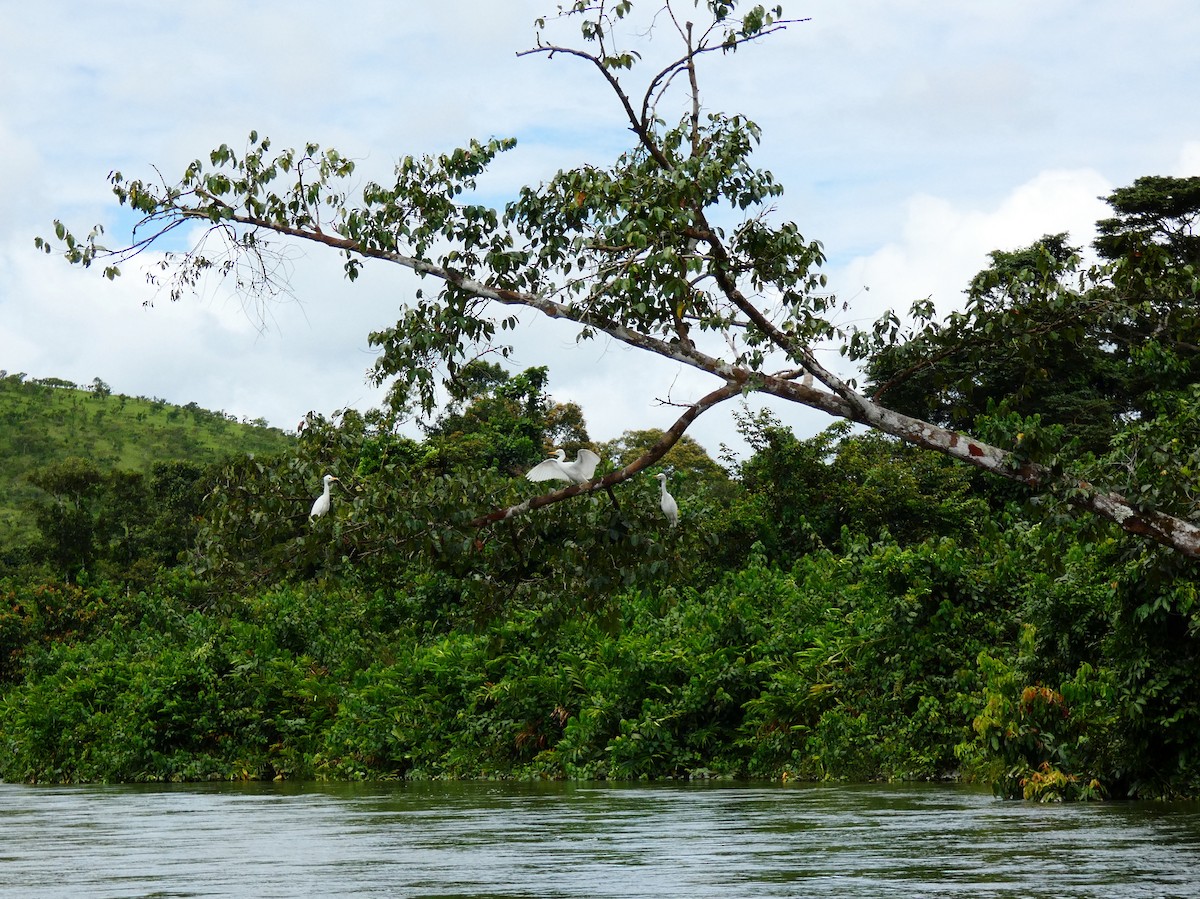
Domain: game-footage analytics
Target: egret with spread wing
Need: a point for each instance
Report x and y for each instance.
(321, 505)
(559, 469)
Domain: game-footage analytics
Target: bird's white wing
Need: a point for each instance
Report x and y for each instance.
(587, 462)
(670, 509)
(547, 471)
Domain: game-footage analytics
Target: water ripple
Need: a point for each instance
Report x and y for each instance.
(584, 840)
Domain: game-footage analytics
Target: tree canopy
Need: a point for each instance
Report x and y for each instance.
(674, 249)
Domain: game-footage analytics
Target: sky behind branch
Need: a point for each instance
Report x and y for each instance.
(911, 138)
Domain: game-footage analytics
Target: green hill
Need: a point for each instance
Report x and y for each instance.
(48, 420)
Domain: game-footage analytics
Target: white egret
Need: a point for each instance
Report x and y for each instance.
(321, 505)
(669, 506)
(559, 469)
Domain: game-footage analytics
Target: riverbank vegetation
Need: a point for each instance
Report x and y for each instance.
(992, 577)
(840, 607)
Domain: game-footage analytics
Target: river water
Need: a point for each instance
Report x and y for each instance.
(584, 840)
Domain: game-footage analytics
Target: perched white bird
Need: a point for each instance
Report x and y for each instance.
(321, 504)
(560, 469)
(669, 506)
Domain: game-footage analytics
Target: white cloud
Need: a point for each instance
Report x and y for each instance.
(942, 245)
(1189, 160)
(19, 175)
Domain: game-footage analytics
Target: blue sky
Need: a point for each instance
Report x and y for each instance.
(911, 137)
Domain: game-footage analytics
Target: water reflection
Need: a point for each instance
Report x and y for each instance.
(584, 840)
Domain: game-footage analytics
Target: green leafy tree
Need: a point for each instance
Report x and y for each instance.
(686, 458)
(176, 492)
(67, 516)
(501, 421)
(801, 495)
(1087, 371)
(1031, 342)
(117, 524)
(669, 248)
(1019, 349)
(1154, 212)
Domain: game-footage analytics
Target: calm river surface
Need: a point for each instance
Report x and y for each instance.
(591, 840)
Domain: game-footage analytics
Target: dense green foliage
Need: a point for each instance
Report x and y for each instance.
(842, 607)
(765, 673)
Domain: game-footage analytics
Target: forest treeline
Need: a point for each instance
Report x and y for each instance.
(837, 607)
